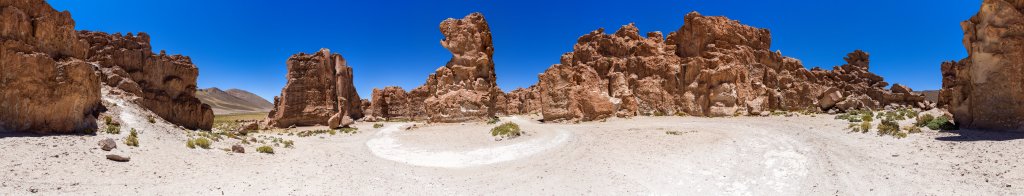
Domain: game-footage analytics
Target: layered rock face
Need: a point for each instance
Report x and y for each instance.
(166, 83)
(984, 90)
(319, 92)
(519, 101)
(712, 66)
(44, 86)
(394, 103)
(462, 90)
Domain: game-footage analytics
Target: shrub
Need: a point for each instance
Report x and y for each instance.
(191, 143)
(202, 142)
(506, 130)
(107, 120)
(288, 143)
(673, 132)
(493, 120)
(942, 123)
(888, 127)
(133, 138)
(150, 119)
(865, 127)
(866, 117)
(113, 128)
(923, 120)
(349, 130)
(377, 125)
(265, 149)
(912, 129)
(332, 132)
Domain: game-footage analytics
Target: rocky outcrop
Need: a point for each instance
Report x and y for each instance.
(165, 83)
(519, 101)
(464, 89)
(44, 85)
(712, 66)
(984, 90)
(319, 92)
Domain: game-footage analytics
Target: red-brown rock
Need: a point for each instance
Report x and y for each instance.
(984, 90)
(465, 89)
(319, 92)
(712, 66)
(166, 83)
(44, 86)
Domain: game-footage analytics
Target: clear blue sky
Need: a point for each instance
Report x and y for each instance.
(244, 44)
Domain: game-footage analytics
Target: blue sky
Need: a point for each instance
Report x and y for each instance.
(244, 44)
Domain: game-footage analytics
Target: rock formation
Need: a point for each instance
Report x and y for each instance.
(712, 66)
(319, 92)
(984, 90)
(462, 90)
(44, 85)
(519, 101)
(165, 83)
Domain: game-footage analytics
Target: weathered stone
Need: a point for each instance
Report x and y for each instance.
(984, 90)
(44, 86)
(319, 87)
(711, 66)
(237, 148)
(166, 83)
(464, 89)
(118, 158)
(107, 144)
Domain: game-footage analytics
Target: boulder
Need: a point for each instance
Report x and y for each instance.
(319, 87)
(118, 158)
(237, 148)
(107, 144)
(166, 83)
(45, 87)
(984, 90)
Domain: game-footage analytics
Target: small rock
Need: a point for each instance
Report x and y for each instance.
(237, 149)
(107, 144)
(118, 158)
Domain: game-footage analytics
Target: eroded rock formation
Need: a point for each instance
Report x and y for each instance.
(462, 90)
(984, 90)
(319, 92)
(45, 87)
(712, 66)
(165, 83)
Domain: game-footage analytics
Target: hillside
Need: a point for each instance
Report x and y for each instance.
(233, 101)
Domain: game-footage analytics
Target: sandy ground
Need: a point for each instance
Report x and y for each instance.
(719, 156)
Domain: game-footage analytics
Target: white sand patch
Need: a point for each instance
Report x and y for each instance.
(385, 146)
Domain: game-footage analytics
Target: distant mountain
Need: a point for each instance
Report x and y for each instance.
(233, 101)
(930, 95)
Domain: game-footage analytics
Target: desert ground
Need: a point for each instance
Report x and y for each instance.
(796, 155)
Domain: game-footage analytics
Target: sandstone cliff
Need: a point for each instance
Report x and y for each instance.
(984, 90)
(44, 85)
(711, 66)
(462, 90)
(165, 83)
(319, 92)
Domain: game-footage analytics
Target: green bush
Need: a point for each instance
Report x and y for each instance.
(862, 127)
(107, 120)
(506, 130)
(202, 142)
(288, 143)
(133, 138)
(377, 125)
(191, 143)
(866, 117)
(923, 120)
(912, 129)
(493, 120)
(150, 119)
(113, 128)
(265, 149)
(889, 127)
(942, 123)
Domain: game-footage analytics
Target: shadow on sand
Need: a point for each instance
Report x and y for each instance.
(975, 135)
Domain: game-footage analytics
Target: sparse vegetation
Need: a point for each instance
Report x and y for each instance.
(202, 142)
(673, 132)
(862, 127)
(265, 149)
(493, 120)
(506, 130)
(107, 120)
(132, 139)
(349, 130)
(377, 125)
(889, 127)
(151, 119)
(941, 123)
(923, 120)
(191, 143)
(912, 129)
(288, 143)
